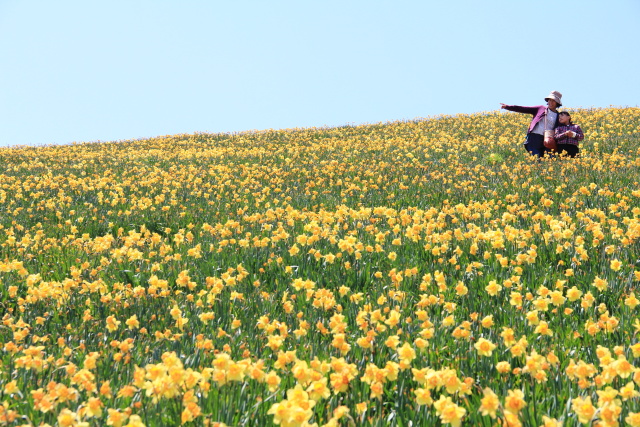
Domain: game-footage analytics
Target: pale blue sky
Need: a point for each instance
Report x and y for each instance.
(117, 70)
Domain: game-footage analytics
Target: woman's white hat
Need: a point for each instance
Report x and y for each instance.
(556, 96)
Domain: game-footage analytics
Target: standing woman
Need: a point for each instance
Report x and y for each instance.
(544, 118)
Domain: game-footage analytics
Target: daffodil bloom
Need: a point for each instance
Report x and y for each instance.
(423, 396)
(487, 321)
(503, 367)
(601, 284)
(112, 324)
(615, 265)
(449, 412)
(550, 422)
(484, 347)
(584, 409)
(514, 402)
(493, 288)
(633, 419)
(631, 301)
(489, 404)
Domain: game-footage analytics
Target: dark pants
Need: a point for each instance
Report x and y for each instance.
(535, 144)
(570, 149)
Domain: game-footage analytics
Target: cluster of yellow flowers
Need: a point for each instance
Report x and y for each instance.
(424, 270)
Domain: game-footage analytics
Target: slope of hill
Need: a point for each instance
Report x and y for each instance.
(424, 271)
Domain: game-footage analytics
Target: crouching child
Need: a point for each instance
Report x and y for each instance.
(568, 135)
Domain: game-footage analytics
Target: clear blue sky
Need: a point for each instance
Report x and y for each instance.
(115, 70)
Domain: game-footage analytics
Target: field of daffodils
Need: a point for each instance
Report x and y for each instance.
(413, 273)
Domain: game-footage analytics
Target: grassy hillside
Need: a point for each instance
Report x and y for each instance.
(422, 270)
